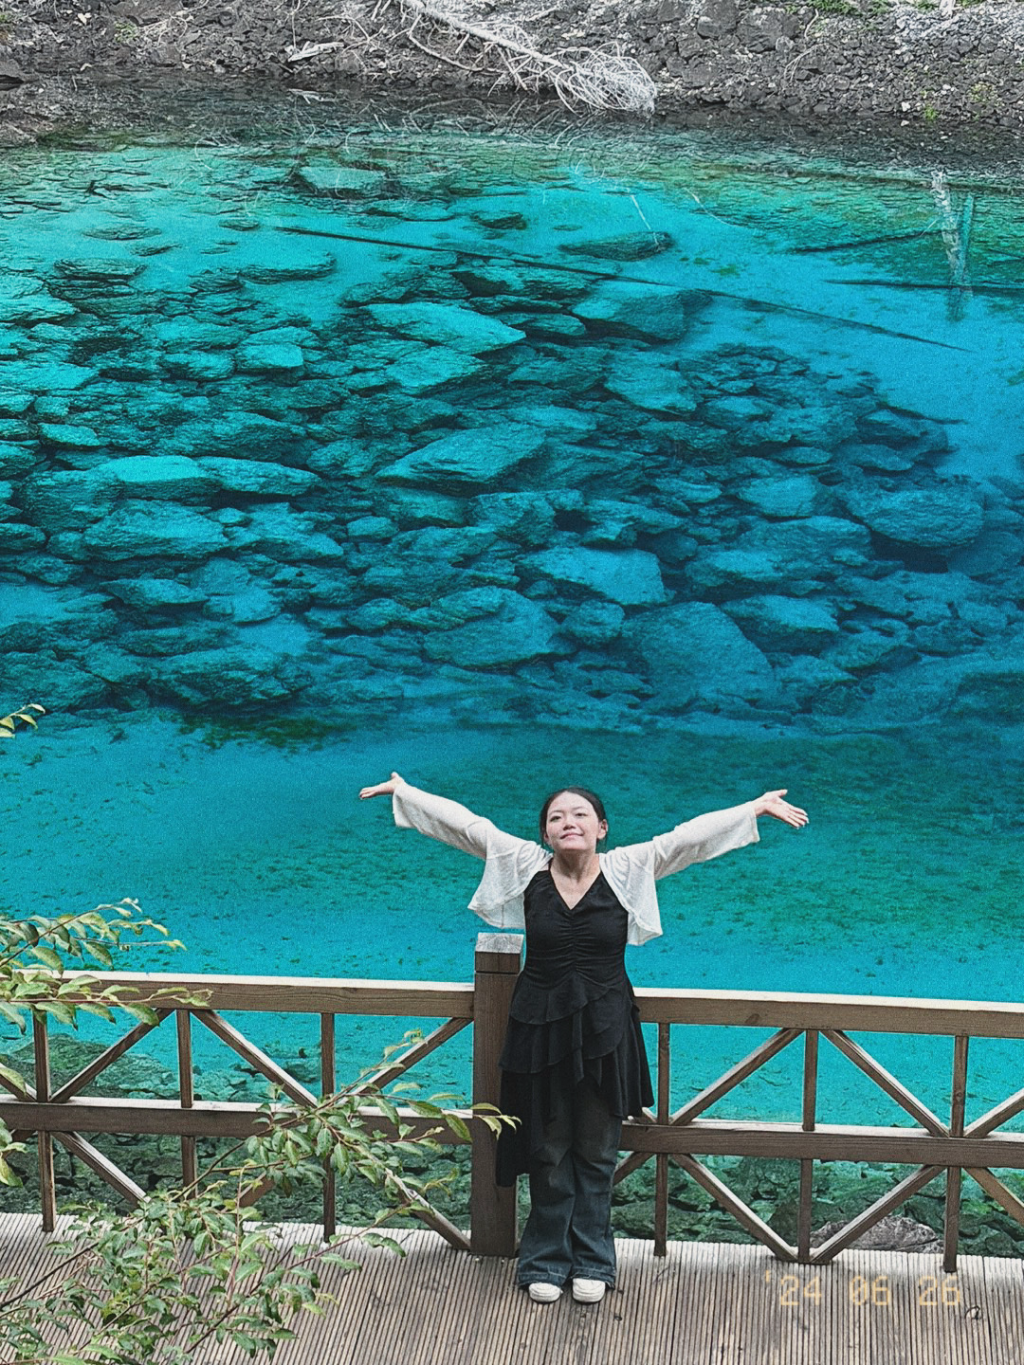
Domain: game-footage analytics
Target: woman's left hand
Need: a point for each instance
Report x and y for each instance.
(772, 803)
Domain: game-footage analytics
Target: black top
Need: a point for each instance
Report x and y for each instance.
(572, 1016)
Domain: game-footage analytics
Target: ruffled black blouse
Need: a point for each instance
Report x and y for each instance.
(573, 1015)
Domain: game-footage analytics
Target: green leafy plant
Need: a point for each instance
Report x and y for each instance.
(192, 1267)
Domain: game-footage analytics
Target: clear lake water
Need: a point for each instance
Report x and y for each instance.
(673, 463)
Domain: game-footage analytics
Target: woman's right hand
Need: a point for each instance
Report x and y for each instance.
(382, 788)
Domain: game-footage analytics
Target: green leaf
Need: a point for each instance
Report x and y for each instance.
(457, 1126)
(48, 957)
(142, 1013)
(100, 1011)
(15, 1016)
(65, 1014)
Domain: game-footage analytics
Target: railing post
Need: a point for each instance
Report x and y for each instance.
(44, 1142)
(954, 1174)
(492, 1210)
(805, 1210)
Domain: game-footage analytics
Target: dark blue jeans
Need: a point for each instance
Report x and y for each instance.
(568, 1234)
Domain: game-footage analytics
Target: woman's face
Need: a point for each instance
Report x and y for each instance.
(572, 825)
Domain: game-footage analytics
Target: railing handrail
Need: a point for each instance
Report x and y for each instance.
(748, 1009)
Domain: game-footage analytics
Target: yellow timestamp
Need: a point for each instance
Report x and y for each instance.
(930, 1291)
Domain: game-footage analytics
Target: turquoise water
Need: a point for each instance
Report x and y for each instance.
(668, 463)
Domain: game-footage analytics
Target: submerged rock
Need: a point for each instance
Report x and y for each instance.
(260, 479)
(43, 377)
(141, 530)
(595, 623)
(784, 625)
(431, 367)
(447, 324)
(269, 357)
(943, 517)
(156, 594)
(468, 459)
(232, 434)
(629, 577)
(514, 631)
(293, 537)
(231, 678)
(783, 497)
(331, 180)
(620, 308)
(528, 518)
(34, 617)
(694, 655)
(629, 246)
(648, 381)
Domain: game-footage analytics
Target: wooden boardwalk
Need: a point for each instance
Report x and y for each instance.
(705, 1303)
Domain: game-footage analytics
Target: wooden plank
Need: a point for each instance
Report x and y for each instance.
(661, 1160)
(413, 1054)
(828, 1142)
(886, 1081)
(100, 1063)
(951, 1228)
(493, 1212)
(1003, 1305)
(996, 1190)
(207, 1118)
(871, 1215)
(748, 1009)
(255, 1057)
(44, 1142)
(704, 1304)
(805, 1211)
(328, 1084)
(293, 994)
(847, 1013)
(629, 1164)
(106, 1169)
(708, 1096)
(997, 1116)
(186, 1091)
(734, 1205)
(958, 1104)
(809, 1099)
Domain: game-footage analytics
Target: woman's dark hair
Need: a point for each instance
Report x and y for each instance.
(587, 795)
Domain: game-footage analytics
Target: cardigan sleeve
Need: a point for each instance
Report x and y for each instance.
(439, 818)
(633, 870)
(509, 863)
(707, 836)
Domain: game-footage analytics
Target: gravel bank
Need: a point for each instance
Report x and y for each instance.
(899, 66)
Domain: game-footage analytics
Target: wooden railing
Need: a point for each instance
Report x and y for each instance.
(937, 1147)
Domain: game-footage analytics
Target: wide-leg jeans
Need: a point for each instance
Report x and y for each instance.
(568, 1234)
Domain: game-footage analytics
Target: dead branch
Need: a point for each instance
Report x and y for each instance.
(600, 80)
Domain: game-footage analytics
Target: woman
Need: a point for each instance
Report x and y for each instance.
(573, 1065)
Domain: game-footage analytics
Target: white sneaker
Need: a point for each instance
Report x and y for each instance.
(588, 1291)
(544, 1293)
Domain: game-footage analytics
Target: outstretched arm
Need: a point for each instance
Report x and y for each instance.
(436, 816)
(720, 831)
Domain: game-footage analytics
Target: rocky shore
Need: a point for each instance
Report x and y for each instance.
(903, 64)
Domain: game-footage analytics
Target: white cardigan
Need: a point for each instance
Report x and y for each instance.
(511, 863)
